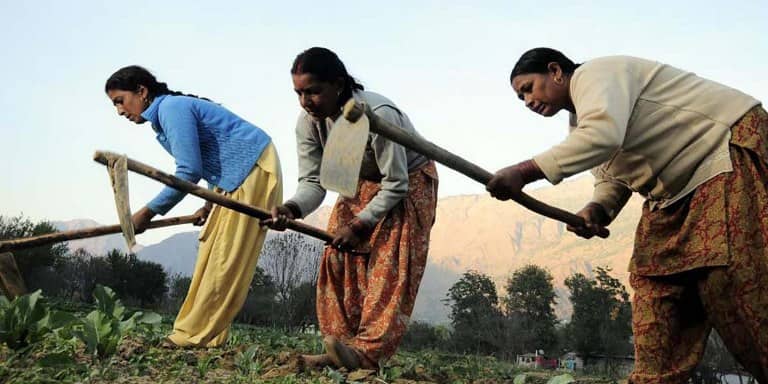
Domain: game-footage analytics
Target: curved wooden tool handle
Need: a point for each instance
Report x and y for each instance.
(353, 111)
(57, 237)
(206, 194)
(11, 281)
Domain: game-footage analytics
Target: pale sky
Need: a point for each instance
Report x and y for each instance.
(446, 64)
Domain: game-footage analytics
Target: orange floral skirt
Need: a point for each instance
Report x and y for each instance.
(366, 301)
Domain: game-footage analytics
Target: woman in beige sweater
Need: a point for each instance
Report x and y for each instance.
(696, 150)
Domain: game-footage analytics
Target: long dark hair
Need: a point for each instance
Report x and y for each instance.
(536, 61)
(325, 66)
(131, 77)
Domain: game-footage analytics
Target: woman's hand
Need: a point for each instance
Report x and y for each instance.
(350, 236)
(345, 239)
(508, 182)
(202, 214)
(141, 219)
(280, 217)
(595, 220)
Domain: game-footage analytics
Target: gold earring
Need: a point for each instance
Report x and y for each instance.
(558, 80)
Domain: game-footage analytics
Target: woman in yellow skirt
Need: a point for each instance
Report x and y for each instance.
(239, 160)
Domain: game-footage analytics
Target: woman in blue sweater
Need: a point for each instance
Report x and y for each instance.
(234, 157)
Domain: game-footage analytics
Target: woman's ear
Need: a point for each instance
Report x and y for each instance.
(143, 92)
(339, 84)
(556, 72)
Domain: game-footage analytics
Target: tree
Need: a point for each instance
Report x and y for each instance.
(35, 264)
(602, 316)
(422, 335)
(303, 305)
(618, 330)
(74, 276)
(147, 282)
(716, 363)
(178, 286)
(530, 299)
(260, 305)
(96, 271)
(478, 325)
(71, 273)
(136, 281)
(292, 261)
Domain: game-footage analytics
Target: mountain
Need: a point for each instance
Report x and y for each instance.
(97, 245)
(177, 253)
(480, 233)
(476, 232)
(434, 287)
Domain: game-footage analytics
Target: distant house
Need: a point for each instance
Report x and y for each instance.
(527, 360)
(571, 362)
(536, 360)
(622, 365)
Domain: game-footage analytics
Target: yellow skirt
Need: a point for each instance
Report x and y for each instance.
(230, 243)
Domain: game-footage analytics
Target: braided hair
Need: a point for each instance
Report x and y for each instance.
(131, 77)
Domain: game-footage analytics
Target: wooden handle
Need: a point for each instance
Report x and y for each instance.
(207, 194)
(353, 111)
(11, 281)
(57, 237)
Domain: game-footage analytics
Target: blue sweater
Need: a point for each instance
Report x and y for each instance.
(207, 141)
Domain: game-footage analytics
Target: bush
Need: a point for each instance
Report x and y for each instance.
(422, 335)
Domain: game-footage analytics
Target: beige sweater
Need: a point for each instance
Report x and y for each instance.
(646, 127)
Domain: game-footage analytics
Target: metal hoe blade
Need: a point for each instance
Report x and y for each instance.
(343, 156)
(118, 175)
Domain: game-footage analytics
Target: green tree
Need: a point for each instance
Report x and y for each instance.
(35, 264)
(618, 332)
(602, 316)
(716, 363)
(422, 335)
(260, 304)
(137, 282)
(530, 299)
(96, 271)
(478, 324)
(147, 282)
(178, 286)
(303, 305)
(292, 261)
(71, 273)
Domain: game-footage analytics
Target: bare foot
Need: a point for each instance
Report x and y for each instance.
(341, 354)
(366, 363)
(168, 343)
(314, 361)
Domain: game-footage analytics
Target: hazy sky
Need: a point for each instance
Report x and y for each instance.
(446, 64)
